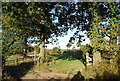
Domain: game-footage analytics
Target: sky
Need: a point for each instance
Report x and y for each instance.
(63, 41)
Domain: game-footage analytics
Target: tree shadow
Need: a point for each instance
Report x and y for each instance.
(71, 55)
(78, 77)
(18, 71)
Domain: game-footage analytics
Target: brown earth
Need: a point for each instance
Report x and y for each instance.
(47, 75)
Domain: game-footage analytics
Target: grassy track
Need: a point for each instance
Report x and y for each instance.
(69, 67)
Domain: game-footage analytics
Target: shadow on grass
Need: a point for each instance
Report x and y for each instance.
(18, 71)
(69, 55)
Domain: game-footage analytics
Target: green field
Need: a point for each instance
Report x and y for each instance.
(69, 67)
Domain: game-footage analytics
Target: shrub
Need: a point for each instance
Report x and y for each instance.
(85, 49)
(106, 71)
(56, 50)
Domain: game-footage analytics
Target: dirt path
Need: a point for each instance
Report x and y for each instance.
(46, 75)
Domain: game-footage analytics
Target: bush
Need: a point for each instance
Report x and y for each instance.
(56, 50)
(85, 49)
(106, 71)
(30, 49)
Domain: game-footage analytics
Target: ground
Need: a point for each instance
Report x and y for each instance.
(46, 75)
(63, 68)
(59, 69)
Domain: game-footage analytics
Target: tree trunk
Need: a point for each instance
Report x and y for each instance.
(42, 51)
(35, 57)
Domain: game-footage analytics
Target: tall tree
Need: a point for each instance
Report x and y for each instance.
(41, 20)
(16, 26)
(53, 20)
(100, 20)
(112, 32)
(46, 21)
(104, 24)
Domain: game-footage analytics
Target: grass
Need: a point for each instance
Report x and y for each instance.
(63, 66)
(16, 59)
(66, 64)
(69, 67)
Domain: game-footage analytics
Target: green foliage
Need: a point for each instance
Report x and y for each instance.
(30, 48)
(37, 49)
(29, 21)
(74, 54)
(15, 29)
(56, 50)
(99, 30)
(103, 72)
(85, 49)
(23, 21)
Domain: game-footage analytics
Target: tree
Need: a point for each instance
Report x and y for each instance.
(41, 20)
(103, 24)
(112, 31)
(100, 30)
(51, 21)
(15, 27)
(56, 50)
(85, 49)
(11, 42)
(37, 49)
(94, 19)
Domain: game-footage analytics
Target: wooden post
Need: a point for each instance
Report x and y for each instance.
(88, 59)
(17, 61)
(96, 58)
(35, 57)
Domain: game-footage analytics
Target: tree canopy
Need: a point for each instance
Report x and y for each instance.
(41, 20)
